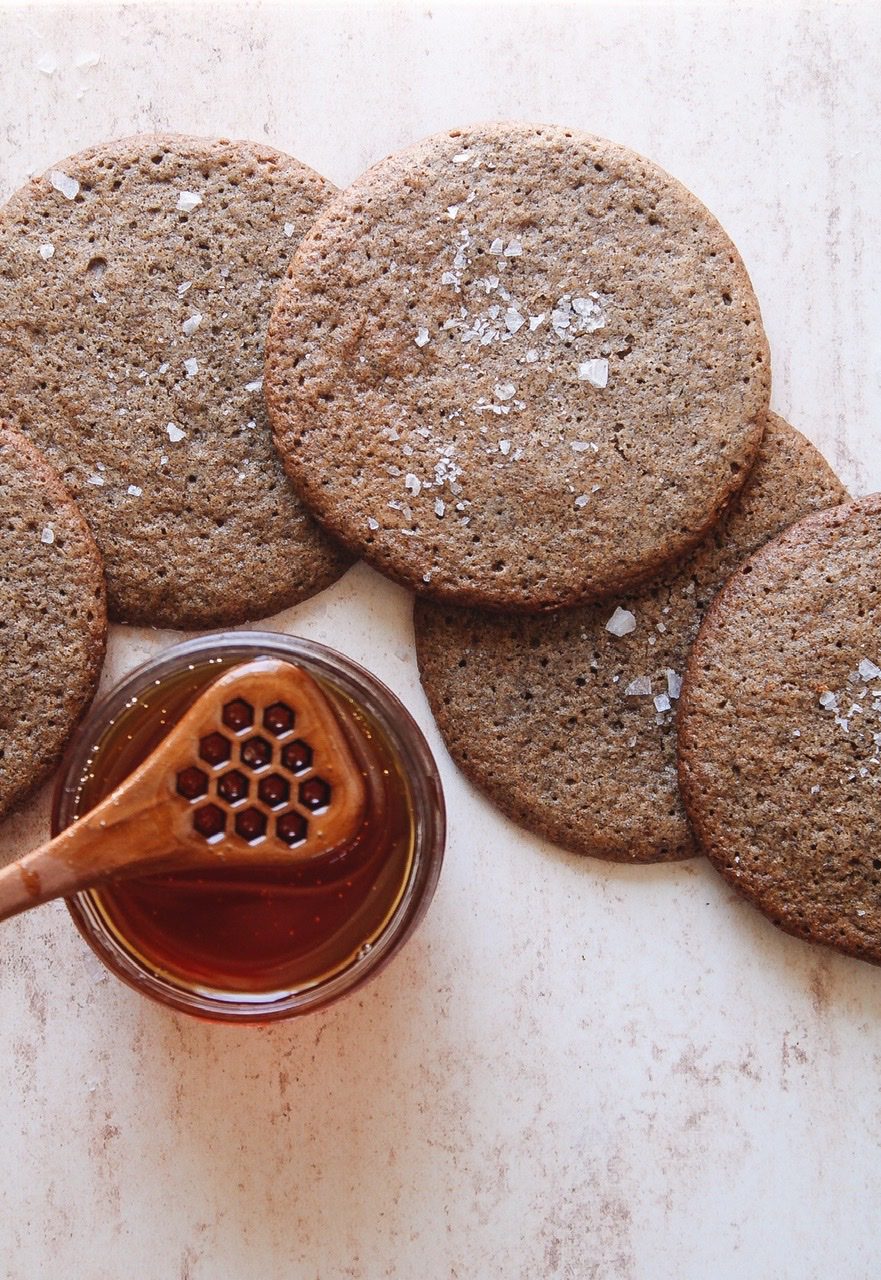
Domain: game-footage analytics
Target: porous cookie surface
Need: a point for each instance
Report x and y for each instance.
(137, 283)
(53, 617)
(517, 367)
(569, 721)
(780, 729)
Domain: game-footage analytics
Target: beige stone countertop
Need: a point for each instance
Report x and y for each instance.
(573, 1070)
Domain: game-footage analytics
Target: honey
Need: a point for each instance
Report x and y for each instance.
(252, 938)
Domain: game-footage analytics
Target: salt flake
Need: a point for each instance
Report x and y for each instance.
(596, 372)
(641, 687)
(48, 535)
(187, 201)
(422, 336)
(662, 702)
(69, 187)
(175, 434)
(134, 491)
(622, 622)
(289, 229)
(46, 251)
(191, 324)
(868, 670)
(192, 367)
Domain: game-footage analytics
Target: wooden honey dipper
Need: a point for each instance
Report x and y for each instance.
(257, 771)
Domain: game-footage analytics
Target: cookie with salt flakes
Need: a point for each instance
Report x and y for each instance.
(138, 280)
(780, 730)
(53, 617)
(568, 722)
(517, 367)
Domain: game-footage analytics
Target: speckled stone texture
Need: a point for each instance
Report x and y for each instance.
(571, 728)
(53, 617)
(780, 730)
(137, 283)
(517, 366)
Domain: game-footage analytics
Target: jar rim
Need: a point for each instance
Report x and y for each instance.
(426, 797)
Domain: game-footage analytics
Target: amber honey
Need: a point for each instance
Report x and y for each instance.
(254, 936)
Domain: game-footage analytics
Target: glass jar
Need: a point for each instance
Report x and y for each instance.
(259, 944)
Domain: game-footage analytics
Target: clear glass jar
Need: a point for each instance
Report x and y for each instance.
(235, 946)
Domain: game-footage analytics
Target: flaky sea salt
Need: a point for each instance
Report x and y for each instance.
(505, 446)
(187, 201)
(581, 446)
(289, 229)
(372, 523)
(462, 157)
(412, 484)
(422, 336)
(86, 60)
(134, 491)
(674, 683)
(47, 64)
(497, 247)
(255, 386)
(868, 670)
(191, 324)
(184, 287)
(641, 687)
(662, 702)
(582, 500)
(828, 699)
(96, 479)
(439, 508)
(61, 181)
(513, 320)
(46, 251)
(175, 434)
(504, 390)
(514, 249)
(596, 372)
(48, 535)
(622, 622)
(192, 367)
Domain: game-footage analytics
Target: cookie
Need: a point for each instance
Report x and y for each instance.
(138, 279)
(780, 730)
(53, 617)
(568, 722)
(517, 367)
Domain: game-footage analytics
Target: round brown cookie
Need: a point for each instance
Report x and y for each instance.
(780, 730)
(570, 727)
(53, 617)
(517, 367)
(137, 282)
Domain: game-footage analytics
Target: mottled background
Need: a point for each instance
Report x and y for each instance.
(574, 1070)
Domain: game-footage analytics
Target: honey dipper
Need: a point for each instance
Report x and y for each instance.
(257, 771)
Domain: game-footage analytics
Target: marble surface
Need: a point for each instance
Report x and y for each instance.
(574, 1070)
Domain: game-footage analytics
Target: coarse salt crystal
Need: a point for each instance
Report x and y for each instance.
(288, 229)
(452, 210)
(513, 320)
(868, 670)
(514, 249)
(134, 491)
(497, 247)
(46, 251)
(439, 508)
(47, 64)
(48, 535)
(828, 699)
(504, 390)
(535, 321)
(674, 683)
(462, 157)
(505, 446)
(187, 201)
(596, 372)
(622, 622)
(175, 434)
(96, 479)
(255, 386)
(662, 702)
(191, 324)
(581, 446)
(815, 789)
(61, 181)
(372, 523)
(183, 287)
(582, 500)
(85, 61)
(531, 356)
(641, 687)
(413, 484)
(422, 336)
(192, 367)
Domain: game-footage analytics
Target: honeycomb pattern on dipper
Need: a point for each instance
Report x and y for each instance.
(517, 367)
(53, 617)
(138, 279)
(233, 788)
(780, 730)
(569, 722)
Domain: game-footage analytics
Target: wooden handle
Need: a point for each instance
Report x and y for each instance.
(84, 854)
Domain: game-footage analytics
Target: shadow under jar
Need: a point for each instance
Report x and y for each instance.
(254, 944)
